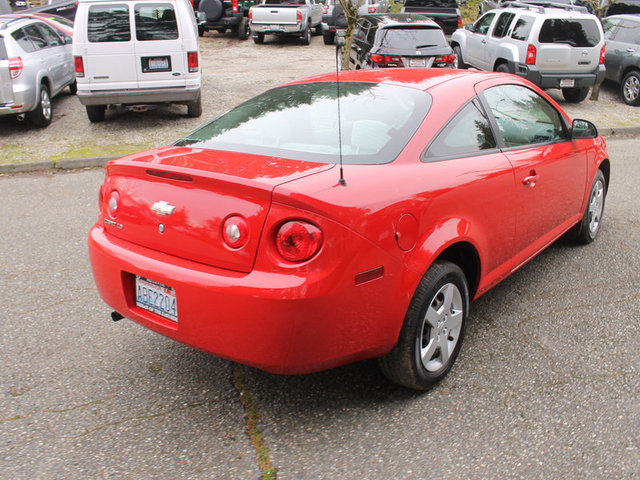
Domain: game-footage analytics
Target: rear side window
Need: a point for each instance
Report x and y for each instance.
(412, 38)
(155, 21)
(36, 37)
(629, 32)
(22, 39)
(502, 25)
(109, 23)
(522, 29)
(577, 33)
(52, 38)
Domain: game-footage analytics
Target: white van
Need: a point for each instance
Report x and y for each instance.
(136, 53)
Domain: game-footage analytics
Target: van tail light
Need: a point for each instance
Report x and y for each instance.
(235, 6)
(192, 61)
(298, 16)
(298, 241)
(15, 67)
(79, 65)
(531, 55)
(372, 9)
(386, 60)
(602, 56)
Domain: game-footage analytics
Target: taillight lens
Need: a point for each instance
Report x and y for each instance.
(602, 54)
(386, 60)
(372, 9)
(113, 203)
(15, 67)
(531, 55)
(251, 14)
(459, 22)
(299, 16)
(235, 232)
(325, 10)
(446, 59)
(234, 4)
(79, 65)
(192, 61)
(298, 241)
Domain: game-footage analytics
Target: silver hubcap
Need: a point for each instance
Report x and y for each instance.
(441, 327)
(45, 104)
(632, 88)
(596, 205)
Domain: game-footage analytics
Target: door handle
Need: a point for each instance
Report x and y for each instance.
(531, 179)
(631, 50)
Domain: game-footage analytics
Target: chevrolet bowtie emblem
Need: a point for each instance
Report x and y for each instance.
(162, 208)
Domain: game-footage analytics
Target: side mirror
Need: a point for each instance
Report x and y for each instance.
(469, 26)
(583, 129)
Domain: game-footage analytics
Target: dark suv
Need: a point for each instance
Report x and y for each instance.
(399, 40)
(622, 59)
(223, 15)
(444, 12)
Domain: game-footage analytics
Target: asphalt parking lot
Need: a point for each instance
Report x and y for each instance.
(547, 384)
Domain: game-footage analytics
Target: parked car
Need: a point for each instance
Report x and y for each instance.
(136, 53)
(552, 47)
(486, 5)
(286, 17)
(622, 34)
(63, 8)
(35, 66)
(223, 15)
(444, 12)
(622, 7)
(267, 238)
(399, 40)
(371, 7)
(333, 19)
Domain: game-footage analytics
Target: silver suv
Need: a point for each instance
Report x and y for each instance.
(35, 65)
(553, 47)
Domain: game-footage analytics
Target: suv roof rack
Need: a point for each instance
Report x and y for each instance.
(539, 6)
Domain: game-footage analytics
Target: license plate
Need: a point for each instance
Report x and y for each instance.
(417, 62)
(157, 298)
(275, 28)
(567, 82)
(158, 63)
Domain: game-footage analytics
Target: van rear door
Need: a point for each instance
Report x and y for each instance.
(161, 56)
(110, 62)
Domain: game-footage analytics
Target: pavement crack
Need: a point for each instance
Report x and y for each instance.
(253, 415)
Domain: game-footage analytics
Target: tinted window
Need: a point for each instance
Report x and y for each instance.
(523, 116)
(155, 21)
(609, 26)
(502, 25)
(36, 37)
(522, 29)
(301, 122)
(109, 23)
(412, 38)
(629, 32)
(577, 33)
(483, 24)
(52, 38)
(21, 37)
(468, 132)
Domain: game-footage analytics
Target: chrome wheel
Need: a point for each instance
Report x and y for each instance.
(441, 327)
(631, 89)
(45, 104)
(596, 206)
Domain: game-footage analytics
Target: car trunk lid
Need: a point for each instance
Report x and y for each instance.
(175, 200)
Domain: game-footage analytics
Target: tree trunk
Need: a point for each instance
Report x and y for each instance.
(595, 93)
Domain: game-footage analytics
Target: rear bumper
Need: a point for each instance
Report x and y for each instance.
(552, 80)
(279, 29)
(24, 100)
(142, 96)
(293, 323)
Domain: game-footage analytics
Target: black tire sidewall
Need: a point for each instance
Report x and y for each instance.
(635, 102)
(585, 236)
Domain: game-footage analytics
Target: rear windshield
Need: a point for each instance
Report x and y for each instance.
(109, 23)
(301, 122)
(577, 33)
(412, 38)
(155, 21)
(431, 3)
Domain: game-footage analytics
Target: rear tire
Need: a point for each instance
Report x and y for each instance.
(95, 113)
(305, 38)
(73, 87)
(243, 29)
(433, 329)
(258, 38)
(575, 94)
(329, 38)
(630, 88)
(43, 113)
(503, 68)
(194, 109)
(459, 60)
(319, 29)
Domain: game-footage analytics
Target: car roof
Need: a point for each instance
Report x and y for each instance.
(7, 20)
(400, 19)
(547, 9)
(626, 16)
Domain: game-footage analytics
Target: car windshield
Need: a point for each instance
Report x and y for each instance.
(301, 122)
(412, 38)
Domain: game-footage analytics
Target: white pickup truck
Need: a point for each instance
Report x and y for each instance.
(286, 17)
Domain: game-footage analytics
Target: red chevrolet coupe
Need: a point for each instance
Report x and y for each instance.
(331, 219)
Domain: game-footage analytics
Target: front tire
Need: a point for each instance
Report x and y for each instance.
(433, 329)
(43, 113)
(630, 88)
(457, 52)
(305, 38)
(258, 38)
(587, 229)
(329, 38)
(243, 29)
(575, 94)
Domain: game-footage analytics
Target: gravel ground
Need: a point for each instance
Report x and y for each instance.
(233, 71)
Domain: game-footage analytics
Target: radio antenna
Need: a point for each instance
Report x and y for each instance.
(342, 180)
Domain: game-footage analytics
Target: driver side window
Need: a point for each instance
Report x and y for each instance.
(482, 25)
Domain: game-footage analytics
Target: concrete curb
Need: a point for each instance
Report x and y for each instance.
(73, 163)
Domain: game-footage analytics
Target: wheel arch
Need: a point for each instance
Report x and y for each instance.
(628, 69)
(465, 256)
(605, 167)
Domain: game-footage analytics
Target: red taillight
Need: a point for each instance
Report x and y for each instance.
(79, 65)
(298, 16)
(298, 241)
(602, 55)
(325, 10)
(448, 59)
(235, 6)
(235, 232)
(459, 22)
(372, 9)
(387, 60)
(251, 14)
(531, 55)
(192, 61)
(15, 67)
